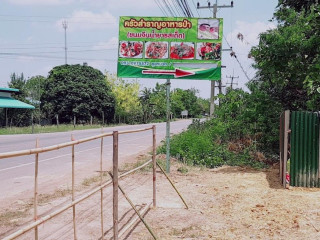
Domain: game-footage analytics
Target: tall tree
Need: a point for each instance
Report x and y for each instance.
(19, 117)
(126, 93)
(77, 90)
(287, 57)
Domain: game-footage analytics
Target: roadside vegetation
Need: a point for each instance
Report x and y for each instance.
(81, 97)
(245, 128)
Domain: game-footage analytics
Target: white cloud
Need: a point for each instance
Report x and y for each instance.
(111, 44)
(25, 58)
(127, 4)
(40, 2)
(250, 32)
(86, 20)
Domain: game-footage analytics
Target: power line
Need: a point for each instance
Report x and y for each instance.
(178, 9)
(182, 8)
(196, 8)
(233, 54)
(161, 8)
(175, 14)
(47, 21)
(188, 8)
(232, 78)
(46, 47)
(169, 9)
(17, 55)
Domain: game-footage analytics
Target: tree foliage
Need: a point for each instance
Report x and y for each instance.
(287, 57)
(246, 124)
(127, 107)
(76, 90)
(18, 117)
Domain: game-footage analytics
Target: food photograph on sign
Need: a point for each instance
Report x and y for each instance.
(208, 51)
(182, 50)
(130, 49)
(156, 50)
(208, 29)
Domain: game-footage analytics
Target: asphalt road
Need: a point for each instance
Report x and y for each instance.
(17, 174)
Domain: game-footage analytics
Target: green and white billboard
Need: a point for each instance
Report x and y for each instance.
(175, 48)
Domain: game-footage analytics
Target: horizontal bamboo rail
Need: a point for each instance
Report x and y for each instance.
(55, 213)
(135, 209)
(66, 207)
(134, 220)
(63, 145)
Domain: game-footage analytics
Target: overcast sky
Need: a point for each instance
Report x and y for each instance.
(32, 36)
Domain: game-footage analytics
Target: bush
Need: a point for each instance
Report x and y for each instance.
(206, 144)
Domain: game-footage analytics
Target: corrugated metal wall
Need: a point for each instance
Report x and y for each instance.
(304, 149)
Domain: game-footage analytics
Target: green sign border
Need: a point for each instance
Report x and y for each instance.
(143, 29)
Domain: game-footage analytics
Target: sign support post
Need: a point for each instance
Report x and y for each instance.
(168, 128)
(170, 48)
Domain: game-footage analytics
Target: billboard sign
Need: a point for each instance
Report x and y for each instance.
(170, 47)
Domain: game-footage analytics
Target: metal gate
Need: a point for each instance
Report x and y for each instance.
(304, 149)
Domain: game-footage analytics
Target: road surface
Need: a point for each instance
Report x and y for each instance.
(17, 174)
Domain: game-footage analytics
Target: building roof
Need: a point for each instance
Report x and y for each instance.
(9, 90)
(8, 102)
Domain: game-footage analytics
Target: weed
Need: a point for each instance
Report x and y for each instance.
(183, 169)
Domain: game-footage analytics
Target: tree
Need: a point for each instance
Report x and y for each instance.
(76, 90)
(288, 64)
(35, 87)
(19, 117)
(297, 5)
(146, 105)
(126, 94)
(287, 58)
(158, 101)
(185, 100)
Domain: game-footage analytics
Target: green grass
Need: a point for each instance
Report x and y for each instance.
(47, 129)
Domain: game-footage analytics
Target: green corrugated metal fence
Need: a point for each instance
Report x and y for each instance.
(304, 149)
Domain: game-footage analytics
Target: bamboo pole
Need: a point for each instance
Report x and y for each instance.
(154, 165)
(135, 169)
(115, 186)
(55, 213)
(173, 185)
(137, 212)
(73, 194)
(101, 192)
(134, 220)
(63, 145)
(135, 131)
(38, 150)
(35, 203)
(64, 208)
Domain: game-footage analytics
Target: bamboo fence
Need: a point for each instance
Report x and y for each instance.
(39, 150)
(115, 181)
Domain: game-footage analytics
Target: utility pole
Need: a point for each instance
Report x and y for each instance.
(220, 88)
(215, 10)
(65, 26)
(232, 78)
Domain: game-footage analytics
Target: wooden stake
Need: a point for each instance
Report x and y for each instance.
(115, 186)
(73, 194)
(101, 179)
(154, 165)
(137, 212)
(134, 220)
(35, 204)
(173, 185)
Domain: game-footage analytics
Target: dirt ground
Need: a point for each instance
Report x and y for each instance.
(224, 203)
(235, 203)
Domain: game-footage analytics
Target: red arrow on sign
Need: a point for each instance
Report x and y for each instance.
(177, 72)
